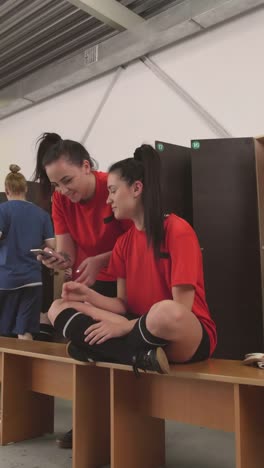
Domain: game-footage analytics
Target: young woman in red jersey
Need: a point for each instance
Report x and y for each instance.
(158, 264)
(85, 228)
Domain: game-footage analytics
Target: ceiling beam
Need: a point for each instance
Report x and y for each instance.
(161, 30)
(110, 12)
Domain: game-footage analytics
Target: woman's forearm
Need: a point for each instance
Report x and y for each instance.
(112, 304)
(65, 246)
(94, 312)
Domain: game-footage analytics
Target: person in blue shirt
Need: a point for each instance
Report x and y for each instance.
(23, 226)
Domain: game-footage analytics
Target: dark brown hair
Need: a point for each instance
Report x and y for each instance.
(145, 166)
(52, 147)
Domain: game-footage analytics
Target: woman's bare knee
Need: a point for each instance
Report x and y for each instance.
(174, 322)
(164, 318)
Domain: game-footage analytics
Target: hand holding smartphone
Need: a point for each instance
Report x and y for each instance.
(50, 259)
(42, 252)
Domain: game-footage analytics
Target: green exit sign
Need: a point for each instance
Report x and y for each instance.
(160, 147)
(196, 145)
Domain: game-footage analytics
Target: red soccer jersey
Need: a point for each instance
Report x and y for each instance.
(149, 280)
(91, 225)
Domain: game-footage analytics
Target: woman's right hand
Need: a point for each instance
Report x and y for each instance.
(73, 291)
(56, 262)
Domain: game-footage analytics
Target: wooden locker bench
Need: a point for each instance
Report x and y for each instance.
(218, 394)
(32, 373)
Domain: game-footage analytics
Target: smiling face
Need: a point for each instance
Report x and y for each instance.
(71, 180)
(125, 200)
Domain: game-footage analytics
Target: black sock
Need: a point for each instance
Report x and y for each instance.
(121, 350)
(141, 338)
(73, 324)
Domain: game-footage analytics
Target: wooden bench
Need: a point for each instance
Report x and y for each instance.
(31, 375)
(217, 394)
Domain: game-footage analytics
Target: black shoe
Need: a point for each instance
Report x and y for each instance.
(46, 333)
(78, 353)
(65, 441)
(154, 360)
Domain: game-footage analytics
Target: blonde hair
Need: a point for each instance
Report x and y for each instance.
(15, 182)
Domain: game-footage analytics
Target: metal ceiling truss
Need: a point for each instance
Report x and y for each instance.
(182, 19)
(111, 12)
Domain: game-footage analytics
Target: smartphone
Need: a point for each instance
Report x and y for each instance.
(44, 253)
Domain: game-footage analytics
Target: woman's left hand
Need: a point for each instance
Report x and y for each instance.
(88, 270)
(106, 329)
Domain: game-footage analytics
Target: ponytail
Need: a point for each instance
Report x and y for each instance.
(52, 147)
(153, 213)
(46, 142)
(145, 166)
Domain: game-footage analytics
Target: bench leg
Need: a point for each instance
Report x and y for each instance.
(91, 417)
(249, 426)
(137, 440)
(25, 414)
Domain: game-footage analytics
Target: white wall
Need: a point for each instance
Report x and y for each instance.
(223, 69)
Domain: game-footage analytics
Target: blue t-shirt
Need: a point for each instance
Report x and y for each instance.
(24, 226)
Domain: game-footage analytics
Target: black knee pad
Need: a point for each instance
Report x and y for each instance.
(72, 324)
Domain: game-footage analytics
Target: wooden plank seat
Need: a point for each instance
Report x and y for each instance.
(33, 373)
(218, 394)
